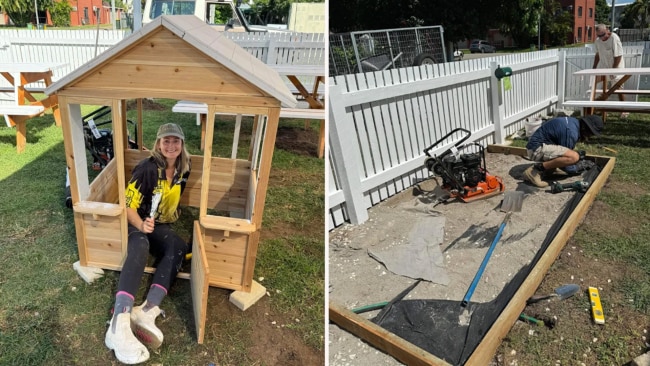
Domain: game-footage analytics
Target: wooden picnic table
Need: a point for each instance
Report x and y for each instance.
(292, 72)
(598, 97)
(25, 105)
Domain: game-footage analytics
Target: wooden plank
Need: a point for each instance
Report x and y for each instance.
(102, 237)
(249, 261)
(97, 208)
(22, 110)
(227, 224)
(199, 283)
(119, 137)
(264, 171)
(78, 180)
(379, 337)
(136, 91)
(104, 187)
(185, 106)
(232, 245)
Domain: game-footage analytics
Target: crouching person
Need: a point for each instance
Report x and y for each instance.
(163, 175)
(551, 146)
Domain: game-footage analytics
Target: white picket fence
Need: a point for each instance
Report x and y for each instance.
(380, 123)
(76, 47)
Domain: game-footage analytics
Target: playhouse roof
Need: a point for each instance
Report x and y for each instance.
(178, 57)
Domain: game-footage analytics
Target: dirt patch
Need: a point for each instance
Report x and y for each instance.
(272, 341)
(356, 279)
(298, 140)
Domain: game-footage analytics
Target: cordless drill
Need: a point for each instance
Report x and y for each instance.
(579, 186)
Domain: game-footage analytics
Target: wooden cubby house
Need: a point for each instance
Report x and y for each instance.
(182, 58)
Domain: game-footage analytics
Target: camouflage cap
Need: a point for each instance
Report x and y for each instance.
(170, 129)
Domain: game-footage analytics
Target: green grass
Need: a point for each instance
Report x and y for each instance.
(49, 315)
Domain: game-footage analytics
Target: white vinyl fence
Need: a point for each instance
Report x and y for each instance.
(381, 122)
(76, 47)
(73, 47)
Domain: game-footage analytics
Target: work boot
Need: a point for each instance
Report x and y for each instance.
(534, 176)
(143, 323)
(120, 339)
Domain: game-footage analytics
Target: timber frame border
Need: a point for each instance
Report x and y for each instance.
(413, 355)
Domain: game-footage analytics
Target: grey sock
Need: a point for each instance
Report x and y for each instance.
(155, 296)
(123, 304)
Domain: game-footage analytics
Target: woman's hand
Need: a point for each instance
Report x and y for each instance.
(147, 225)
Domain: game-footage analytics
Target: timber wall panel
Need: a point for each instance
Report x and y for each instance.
(103, 236)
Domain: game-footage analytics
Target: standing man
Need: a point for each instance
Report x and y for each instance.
(609, 55)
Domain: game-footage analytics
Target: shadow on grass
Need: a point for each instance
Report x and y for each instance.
(35, 127)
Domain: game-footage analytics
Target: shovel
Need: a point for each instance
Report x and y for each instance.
(561, 293)
(512, 201)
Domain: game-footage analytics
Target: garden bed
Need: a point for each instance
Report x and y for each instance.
(530, 243)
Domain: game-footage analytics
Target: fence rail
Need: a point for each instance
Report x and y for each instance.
(380, 123)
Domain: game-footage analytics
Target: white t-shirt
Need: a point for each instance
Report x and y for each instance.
(609, 49)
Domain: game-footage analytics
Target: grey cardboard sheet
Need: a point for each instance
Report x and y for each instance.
(420, 256)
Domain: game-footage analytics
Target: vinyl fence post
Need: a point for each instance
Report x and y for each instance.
(497, 105)
(344, 149)
(561, 77)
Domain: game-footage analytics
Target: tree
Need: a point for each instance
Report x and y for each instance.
(60, 12)
(520, 19)
(636, 15)
(275, 11)
(602, 12)
(556, 24)
(22, 12)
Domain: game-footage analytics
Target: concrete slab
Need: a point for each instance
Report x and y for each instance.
(244, 300)
(89, 274)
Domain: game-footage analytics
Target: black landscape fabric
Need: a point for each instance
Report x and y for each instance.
(439, 326)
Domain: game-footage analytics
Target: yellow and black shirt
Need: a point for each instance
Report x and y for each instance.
(149, 178)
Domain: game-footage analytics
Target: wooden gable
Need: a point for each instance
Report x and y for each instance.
(178, 57)
(165, 63)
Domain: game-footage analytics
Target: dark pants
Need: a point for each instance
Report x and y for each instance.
(163, 243)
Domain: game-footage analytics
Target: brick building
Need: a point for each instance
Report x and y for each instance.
(584, 20)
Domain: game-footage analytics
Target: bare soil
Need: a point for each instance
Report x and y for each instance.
(356, 279)
(302, 141)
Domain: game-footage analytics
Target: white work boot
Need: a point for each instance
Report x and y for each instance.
(120, 339)
(144, 326)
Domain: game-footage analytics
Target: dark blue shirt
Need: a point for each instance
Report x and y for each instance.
(564, 131)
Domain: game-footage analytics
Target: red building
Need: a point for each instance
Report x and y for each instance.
(85, 12)
(584, 20)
